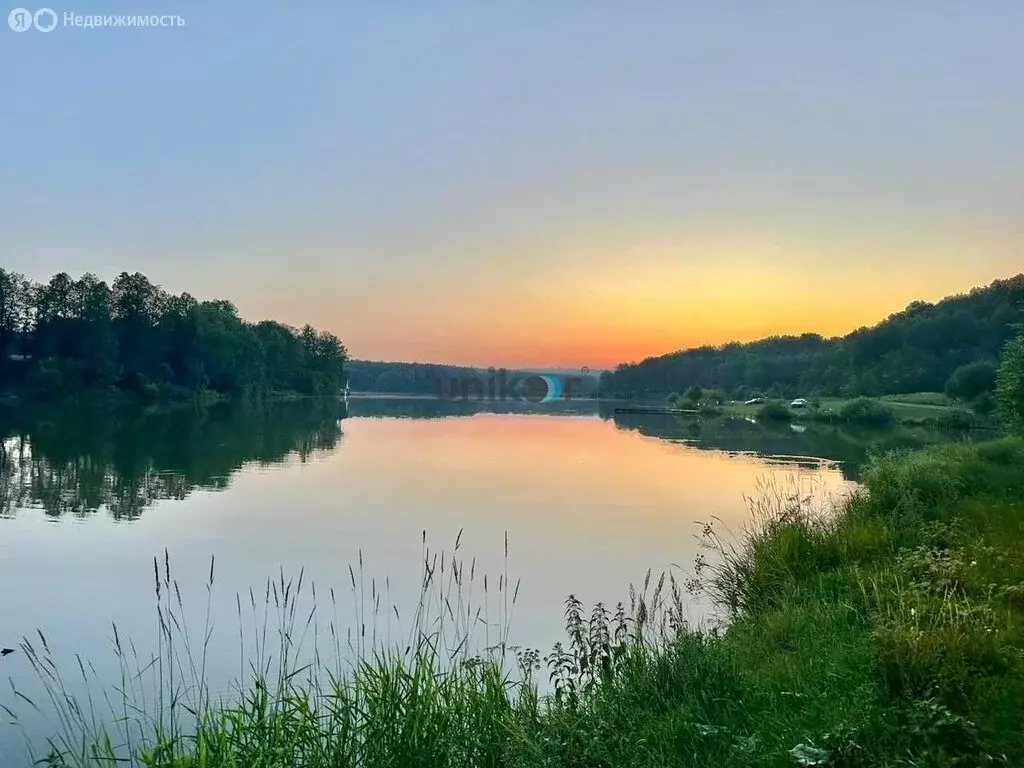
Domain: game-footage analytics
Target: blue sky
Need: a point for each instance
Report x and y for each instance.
(504, 183)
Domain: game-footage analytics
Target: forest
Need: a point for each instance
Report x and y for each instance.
(916, 350)
(405, 378)
(69, 336)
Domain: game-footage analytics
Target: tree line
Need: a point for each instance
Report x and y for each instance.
(453, 381)
(68, 335)
(405, 378)
(916, 350)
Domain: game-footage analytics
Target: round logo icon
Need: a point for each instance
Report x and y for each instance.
(45, 19)
(542, 389)
(20, 19)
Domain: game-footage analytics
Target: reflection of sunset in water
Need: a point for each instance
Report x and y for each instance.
(580, 466)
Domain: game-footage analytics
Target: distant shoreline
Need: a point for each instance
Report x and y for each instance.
(391, 396)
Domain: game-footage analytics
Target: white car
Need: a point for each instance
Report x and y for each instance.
(798, 403)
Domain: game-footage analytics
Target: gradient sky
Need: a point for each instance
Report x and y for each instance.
(496, 183)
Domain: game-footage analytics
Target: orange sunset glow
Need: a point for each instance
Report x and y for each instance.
(602, 314)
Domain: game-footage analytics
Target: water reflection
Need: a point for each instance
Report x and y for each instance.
(804, 445)
(78, 461)
(437, 408)
(800, 444)
(74, 462)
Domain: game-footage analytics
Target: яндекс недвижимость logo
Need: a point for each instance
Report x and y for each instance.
(22, 19)
(47, 20)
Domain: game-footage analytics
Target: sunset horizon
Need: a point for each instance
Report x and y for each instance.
(587, 187)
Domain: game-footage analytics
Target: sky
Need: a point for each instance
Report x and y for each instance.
(551, 183)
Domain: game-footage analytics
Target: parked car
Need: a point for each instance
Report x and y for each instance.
(754, 401)
(800, 402)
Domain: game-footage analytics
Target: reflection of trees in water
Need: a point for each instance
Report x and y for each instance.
(77, 462)
(849, 447)
(439, 408)
(73, 462)
(803, 445)
(12, 493)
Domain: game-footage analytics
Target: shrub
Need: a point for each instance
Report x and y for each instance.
(867, 411)
(694, 395)
(926, 481)
(774, 411)
(48, 380)
(956, 420)
(716, 396)
(139, 385)
(1010, 385)
(984, 404)
(969, 381)
(55, 377)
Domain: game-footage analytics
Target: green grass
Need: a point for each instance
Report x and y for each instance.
(919, 407)
(888, 631)
(915, 409)
(937, 399)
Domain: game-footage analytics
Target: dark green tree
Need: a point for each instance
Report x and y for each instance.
(1010, 384)
(135, 304)
(969, 381)
(694, 395)
(15, 311)
(94, 343)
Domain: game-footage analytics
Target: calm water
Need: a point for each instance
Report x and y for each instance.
(589, 500)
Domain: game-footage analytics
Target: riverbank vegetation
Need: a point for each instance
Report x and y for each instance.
(983, 396)
(68, 337)
(888, 631)
(923, 409)
(1010, 384)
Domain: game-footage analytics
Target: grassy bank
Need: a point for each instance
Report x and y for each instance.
(887, 633)
(924, 409)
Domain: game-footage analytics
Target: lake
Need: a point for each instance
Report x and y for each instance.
(585, 499)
